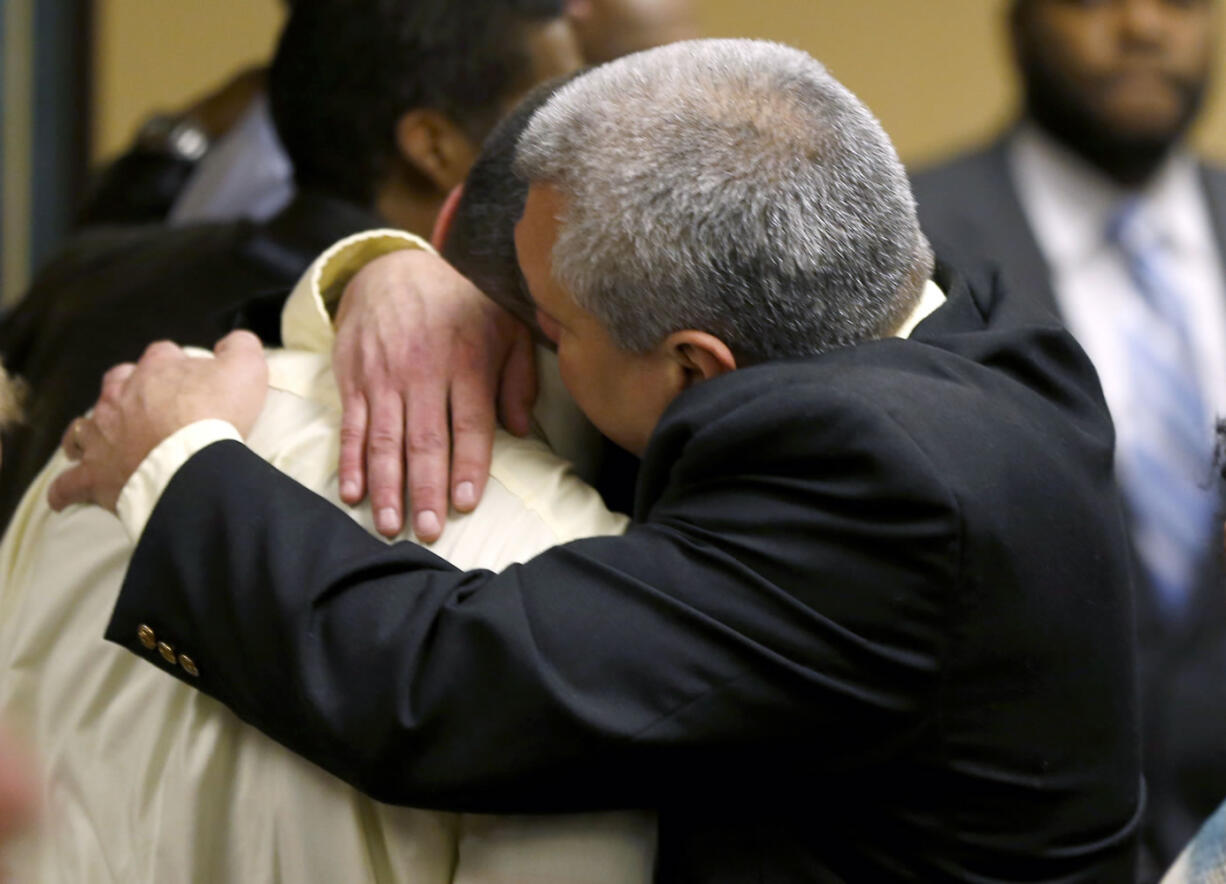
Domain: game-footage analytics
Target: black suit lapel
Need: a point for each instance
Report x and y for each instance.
(971, 211)
(1214, 182)
(1017, 249)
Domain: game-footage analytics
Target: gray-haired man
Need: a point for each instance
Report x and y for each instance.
(871, 622)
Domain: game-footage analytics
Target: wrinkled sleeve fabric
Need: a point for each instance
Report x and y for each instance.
(141, 492)
(607, 672)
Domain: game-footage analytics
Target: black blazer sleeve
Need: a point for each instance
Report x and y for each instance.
(607, 672)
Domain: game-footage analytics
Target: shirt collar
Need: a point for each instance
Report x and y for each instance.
(1173, 201)
(1070, 203)
(930, 300)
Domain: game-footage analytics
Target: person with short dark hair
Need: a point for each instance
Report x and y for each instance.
(382, 105)
(1094, 206)
(220, 158)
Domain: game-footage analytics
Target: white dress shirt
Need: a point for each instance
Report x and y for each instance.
(148, 780)
(246, 174)
(1069, 205)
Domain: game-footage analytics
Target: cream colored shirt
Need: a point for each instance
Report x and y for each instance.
(148, 780)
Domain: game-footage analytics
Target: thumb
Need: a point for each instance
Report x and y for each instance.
(241, 351)
(238, 345)
(244, 374)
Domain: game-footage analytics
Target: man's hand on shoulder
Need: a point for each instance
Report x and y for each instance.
(145, 403)
(421, 356)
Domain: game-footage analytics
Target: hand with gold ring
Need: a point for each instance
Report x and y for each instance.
(74, 438)
(71, 443)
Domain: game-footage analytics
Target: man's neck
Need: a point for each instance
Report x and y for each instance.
(406, 209)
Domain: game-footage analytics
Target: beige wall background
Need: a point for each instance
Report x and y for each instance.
(935, 71)
(159, 54)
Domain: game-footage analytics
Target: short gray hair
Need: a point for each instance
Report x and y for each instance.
(731, 186)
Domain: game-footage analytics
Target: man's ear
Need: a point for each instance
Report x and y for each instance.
(446, 215)
(436, 147)
(699, 356)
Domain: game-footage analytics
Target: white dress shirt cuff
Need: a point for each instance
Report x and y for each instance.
(145, 486)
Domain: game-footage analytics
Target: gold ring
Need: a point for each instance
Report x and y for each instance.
(76, 436)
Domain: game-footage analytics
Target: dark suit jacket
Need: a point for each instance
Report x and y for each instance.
(114, 290)
(871, 623)
(970, 208)
(140, 187)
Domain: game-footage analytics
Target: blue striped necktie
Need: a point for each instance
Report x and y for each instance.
(1204, 860)
(1165, 461)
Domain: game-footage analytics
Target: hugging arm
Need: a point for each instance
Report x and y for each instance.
(611, 672)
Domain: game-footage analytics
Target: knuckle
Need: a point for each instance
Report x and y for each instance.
(159, 350)
(427, 441)
(117, 373)
(473, 422)
(468, 349)
(384, 442)
(353, 407)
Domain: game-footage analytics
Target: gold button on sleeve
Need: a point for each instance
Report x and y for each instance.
(189, 665)
(145, 636)
(167, 652)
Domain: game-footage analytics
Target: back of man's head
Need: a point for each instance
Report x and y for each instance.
(480, 237)
(346, 71)
(729, 186)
